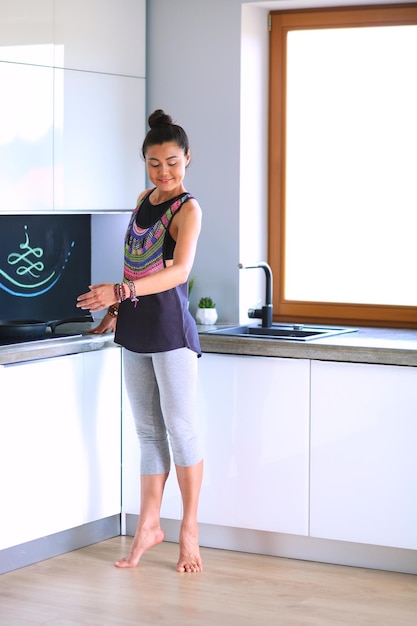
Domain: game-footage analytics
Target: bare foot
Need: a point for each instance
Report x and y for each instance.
(142, 541)
(190, 559)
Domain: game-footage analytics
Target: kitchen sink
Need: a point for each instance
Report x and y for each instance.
(293, 332)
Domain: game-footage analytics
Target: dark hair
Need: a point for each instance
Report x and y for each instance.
(162, 129)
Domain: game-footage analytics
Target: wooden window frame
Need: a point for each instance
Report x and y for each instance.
(281, 22)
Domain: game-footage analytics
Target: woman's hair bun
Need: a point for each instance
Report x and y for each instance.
(159, 117)
(162, 130)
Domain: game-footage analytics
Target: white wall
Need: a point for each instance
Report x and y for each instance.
(205, 67)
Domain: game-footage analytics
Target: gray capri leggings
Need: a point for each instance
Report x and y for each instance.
(162, 393)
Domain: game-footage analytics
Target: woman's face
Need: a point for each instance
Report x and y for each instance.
(166, 165)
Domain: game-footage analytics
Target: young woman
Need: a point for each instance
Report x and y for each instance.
(149, 313)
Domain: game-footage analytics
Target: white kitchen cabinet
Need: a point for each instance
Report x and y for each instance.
(101, 36)
(255, 423)
(43, 456)
(26, 137)
(59, 444)
(171, 504)
(363, 459)
(95, 35)
(27, 33)
(99, 126)
(102, 405)
(70, 138)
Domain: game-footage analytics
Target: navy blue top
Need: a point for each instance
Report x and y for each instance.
(159, 322)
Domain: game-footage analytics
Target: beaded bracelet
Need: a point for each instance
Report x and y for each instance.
(119, 292)
(133, 296)
(113, 311)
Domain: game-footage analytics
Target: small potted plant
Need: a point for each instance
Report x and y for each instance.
(206, 311)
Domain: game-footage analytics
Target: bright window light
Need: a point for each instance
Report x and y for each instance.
(351, 166)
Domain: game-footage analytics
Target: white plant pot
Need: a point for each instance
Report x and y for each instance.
(206, 316)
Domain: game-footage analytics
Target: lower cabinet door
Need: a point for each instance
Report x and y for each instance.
(42, 453)
(102, 406)
(254, 414)
(363, 459)
(59, 444)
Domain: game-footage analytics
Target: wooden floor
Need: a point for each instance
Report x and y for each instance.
(83, 588)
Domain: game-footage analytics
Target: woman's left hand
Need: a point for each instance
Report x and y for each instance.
(99, 297)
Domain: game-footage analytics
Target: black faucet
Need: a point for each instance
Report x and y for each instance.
(265, 313)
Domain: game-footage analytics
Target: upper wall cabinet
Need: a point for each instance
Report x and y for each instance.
(94, 35)
(27, 32)
(72, 111)
(26, 137)
(99, 127)
(101, 36)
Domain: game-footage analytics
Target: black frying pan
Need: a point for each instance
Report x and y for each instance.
(31, 329)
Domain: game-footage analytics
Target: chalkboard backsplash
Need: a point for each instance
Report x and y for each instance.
(45, 263)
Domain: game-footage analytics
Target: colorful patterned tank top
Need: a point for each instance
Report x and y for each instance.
(160, 322)
(145, 247)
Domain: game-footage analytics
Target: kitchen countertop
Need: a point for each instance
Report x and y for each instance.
(47, 348)
(386, 346)
(366, 345)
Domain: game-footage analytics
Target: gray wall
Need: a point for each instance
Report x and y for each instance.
(193, 72)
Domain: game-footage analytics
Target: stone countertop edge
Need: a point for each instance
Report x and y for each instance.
(384, 346)
(48, 348)
(367, 345)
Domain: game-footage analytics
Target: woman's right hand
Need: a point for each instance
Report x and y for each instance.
(107, 324)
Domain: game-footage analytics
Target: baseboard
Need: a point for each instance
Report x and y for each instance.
(294, 546)
(59, 543)
(310, 549)
(219, 537)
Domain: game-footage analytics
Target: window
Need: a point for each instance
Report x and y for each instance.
(343, 165)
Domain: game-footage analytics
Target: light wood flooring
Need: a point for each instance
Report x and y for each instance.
(83, 588)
